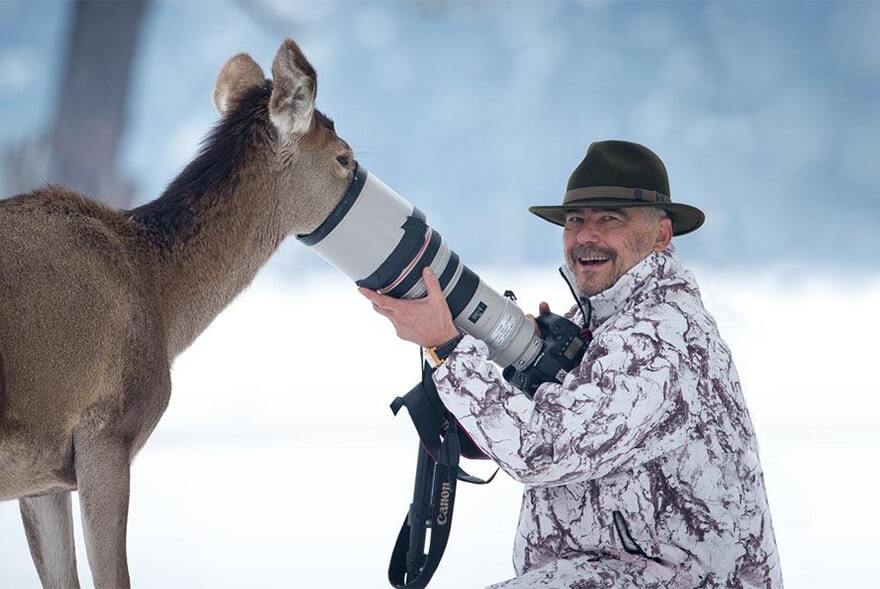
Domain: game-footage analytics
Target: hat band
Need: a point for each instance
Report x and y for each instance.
(637, 194)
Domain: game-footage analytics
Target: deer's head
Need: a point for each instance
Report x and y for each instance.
(294, 156)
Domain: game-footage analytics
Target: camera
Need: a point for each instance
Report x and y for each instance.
(382, 242)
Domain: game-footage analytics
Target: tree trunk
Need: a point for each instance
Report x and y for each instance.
(81, 148)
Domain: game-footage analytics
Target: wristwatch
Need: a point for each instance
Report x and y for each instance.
(439, 353)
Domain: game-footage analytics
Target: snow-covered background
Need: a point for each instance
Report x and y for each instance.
(278, 463)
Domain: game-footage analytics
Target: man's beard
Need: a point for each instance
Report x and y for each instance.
(590, 251)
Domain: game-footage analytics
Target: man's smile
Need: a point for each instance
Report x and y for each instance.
(593, 262)
(590, 257)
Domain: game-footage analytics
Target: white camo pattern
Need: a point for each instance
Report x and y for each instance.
(641, 469)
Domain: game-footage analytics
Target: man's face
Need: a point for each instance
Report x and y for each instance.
(601, 245)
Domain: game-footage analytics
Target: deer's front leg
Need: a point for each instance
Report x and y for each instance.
(102, 473)
(48, 525)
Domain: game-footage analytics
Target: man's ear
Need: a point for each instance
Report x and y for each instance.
(294, 86)
(240, 74)
(664, 234)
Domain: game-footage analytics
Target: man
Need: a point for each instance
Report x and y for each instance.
(641, 468)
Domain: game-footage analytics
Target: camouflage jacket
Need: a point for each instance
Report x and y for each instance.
(641, 469)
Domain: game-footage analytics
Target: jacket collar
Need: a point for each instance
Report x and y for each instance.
(656, 269)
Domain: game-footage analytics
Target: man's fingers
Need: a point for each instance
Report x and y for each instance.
(543, 308)
(431, 282)
(377, 299)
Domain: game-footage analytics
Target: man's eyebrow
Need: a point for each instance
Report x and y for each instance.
(619, 210)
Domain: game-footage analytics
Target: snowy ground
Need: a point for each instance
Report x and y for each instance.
(278, 463)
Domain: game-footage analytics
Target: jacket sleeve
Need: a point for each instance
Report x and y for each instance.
(622, 406)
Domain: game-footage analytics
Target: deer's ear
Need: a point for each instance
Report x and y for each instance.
(240, 74)
(294, 85)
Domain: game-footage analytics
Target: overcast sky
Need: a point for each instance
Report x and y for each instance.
(766, 114)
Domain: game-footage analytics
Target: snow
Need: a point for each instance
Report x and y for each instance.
(279, 464)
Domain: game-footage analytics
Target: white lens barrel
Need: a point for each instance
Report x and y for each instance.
(382, 242)
(369, 231)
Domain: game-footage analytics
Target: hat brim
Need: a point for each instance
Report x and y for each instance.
(685, 218)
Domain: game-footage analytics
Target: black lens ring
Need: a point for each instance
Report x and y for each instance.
(339, 211)
(463, 292)
(416, 273)
(414, 229)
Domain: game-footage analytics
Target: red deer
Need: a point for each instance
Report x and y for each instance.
(96, 303)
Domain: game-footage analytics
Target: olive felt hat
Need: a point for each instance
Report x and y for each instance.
(617, 174)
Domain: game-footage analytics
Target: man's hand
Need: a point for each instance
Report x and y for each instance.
(426, 321)
(543, 309)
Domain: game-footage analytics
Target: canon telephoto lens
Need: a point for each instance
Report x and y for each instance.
(382, 242)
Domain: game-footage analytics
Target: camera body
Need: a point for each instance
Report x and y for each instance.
(563, 346)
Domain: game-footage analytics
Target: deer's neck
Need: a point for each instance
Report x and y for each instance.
(218, 246)
(214, 227)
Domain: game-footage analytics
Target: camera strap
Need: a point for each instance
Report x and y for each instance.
(437, 472)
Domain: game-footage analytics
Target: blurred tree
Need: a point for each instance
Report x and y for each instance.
(80, 148)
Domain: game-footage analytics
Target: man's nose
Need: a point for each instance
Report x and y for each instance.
(587, 234)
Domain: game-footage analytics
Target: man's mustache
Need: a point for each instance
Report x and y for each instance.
(586, 251)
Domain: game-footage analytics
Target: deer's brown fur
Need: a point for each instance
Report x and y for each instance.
(96, 303)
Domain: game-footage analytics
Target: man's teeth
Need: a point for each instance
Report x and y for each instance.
(592, 259)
